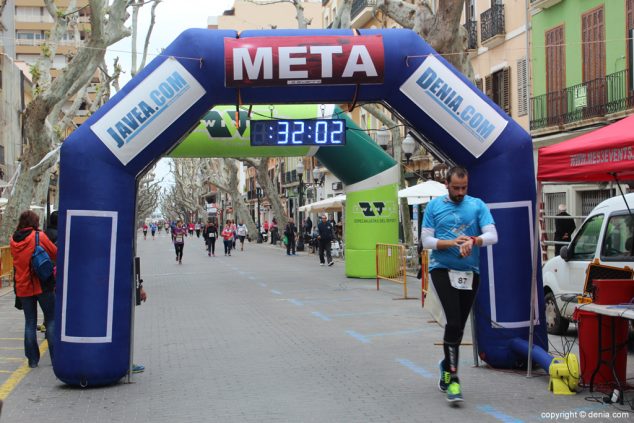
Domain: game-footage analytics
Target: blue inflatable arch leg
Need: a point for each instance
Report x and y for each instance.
(102, 159)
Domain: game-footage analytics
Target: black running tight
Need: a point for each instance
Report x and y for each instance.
(179, 251)
(457, 304)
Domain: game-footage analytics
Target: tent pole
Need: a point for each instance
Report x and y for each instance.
(536, 252)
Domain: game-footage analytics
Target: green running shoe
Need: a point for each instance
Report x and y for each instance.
(454, 393)
(445, 377)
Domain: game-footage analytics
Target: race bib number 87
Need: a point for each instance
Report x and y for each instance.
(461, 280)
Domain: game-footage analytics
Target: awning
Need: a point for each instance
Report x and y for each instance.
(423, 192)
(591, 157)
(327, 205)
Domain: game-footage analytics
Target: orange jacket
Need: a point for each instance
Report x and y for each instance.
(22, 247)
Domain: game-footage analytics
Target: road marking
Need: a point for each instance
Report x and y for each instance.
(415, 368)
(16, 377)
(365, 338)
(296, 302)
(365, 313)
(487, 409)
(11, 348)
(11, 339)
(276, 292)
(262, 284)
(321, 316)
(358, 336)
(327, 301)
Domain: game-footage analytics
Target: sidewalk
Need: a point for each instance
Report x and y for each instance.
(264, 337)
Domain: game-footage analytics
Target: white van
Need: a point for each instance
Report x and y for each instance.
(606, 234)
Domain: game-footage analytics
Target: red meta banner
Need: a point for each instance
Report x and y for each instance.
(327, 60)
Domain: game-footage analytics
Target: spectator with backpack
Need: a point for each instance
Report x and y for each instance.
(30, 289)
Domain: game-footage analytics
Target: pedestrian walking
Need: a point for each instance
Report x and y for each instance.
(197, 229)
(178, 234)
(211, 234)
(227, 236)
(145, 228)
(234, 230)
(289, 232)
(29, 290)
(242, 232)
(325, 237)
(153, 228)
(455, 226)
(190, 229)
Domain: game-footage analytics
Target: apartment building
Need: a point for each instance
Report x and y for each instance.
(498, 49)
(581, 62)
(26, 25)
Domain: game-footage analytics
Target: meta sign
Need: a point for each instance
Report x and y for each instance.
(326, 60)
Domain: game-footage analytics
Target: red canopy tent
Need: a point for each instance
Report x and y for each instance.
(591, 157)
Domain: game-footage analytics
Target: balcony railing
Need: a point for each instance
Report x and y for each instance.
(472, 34)
(359, 5)
(590, 99)
(492, 22)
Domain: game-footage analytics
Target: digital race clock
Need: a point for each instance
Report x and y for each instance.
(296, 132)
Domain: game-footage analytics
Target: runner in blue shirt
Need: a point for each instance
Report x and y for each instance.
(454, 227)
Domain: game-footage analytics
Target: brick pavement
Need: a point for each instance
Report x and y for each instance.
(263, 337)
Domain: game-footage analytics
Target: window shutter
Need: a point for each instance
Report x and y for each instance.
(522, 87)
(488, 86)
(506, 90)
(478, 83)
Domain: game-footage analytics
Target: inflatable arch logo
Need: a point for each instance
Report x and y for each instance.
(165, 104)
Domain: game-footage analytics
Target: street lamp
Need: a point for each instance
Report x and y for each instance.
(383, 137)
(318, 180)
(300, 173)
(408, 146)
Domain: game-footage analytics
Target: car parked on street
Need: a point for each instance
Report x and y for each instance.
(606, 234)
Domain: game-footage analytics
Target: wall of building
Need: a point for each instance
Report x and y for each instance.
(247, 15)
(568, 13)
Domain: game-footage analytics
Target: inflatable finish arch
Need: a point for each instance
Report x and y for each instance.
(101, 160)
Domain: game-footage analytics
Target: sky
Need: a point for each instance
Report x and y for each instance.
(172, 18)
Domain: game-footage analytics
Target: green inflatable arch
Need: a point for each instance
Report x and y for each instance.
(371, 184)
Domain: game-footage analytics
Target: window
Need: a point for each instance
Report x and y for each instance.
(498, 88)
(585, 243)
(551, 202)
(522, 87)
(29, 38)
(556, 100)
(629, 23)
(28, 14)
(593, 56)
(478, 83)
(469, 8)
(617, 243)
(590, 199)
